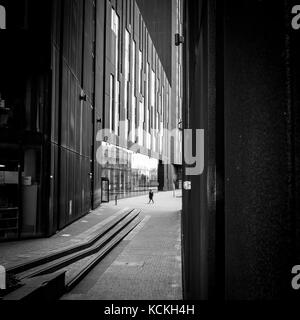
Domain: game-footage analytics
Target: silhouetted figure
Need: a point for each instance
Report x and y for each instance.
(151, 196)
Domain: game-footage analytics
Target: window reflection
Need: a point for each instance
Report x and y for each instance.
(129, 173)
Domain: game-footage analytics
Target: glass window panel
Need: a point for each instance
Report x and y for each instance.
(2, 17)
(152, 88)
(133, 64)
(127, 73)
(111, 102)
(133, 119)
(140, 72)
(112, 19)
(127, 53)
(117, 108)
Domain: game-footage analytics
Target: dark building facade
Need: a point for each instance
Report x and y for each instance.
(241, 215)
(85, 111)
(25, 89)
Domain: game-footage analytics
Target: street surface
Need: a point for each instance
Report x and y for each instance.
(146, 265)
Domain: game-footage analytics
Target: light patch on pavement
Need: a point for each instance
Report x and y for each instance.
(84, 221)
(136, 230)
(99, 212)
(128, 264)
(76, 240)
(65, 235)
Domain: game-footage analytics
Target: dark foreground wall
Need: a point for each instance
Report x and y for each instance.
(240, 220)
(259, 156)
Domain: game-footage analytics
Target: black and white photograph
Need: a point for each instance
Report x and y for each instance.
(149, 153)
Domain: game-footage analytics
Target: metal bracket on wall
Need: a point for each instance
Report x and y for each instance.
(178, 39)
(187, 185)
(83, 96)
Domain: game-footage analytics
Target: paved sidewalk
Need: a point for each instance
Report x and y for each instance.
(17, 252)
(146, 265)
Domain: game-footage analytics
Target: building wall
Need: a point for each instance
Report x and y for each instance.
(177, 83)
(199, 218)
(66, 86)
(240, 218)
(102, 50)
(24, 124)
(259, 193)
(138, 94)
(144, 102)
(72, 117)
(164, 20)
(99, 93)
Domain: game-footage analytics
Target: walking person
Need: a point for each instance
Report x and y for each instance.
(151, 197)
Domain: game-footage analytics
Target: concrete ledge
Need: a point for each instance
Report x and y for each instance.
(44, 288)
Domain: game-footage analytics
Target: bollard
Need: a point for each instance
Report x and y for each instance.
(116, 200)
(2, 278)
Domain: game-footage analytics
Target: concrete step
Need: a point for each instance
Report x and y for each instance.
(73, 257)
(75, 275)
(91, 240)
(48, 281)
(45, 288)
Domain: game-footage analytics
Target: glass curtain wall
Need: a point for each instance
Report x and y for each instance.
(139, 97)
(130, 174)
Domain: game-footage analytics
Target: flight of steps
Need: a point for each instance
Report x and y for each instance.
(49, 277)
